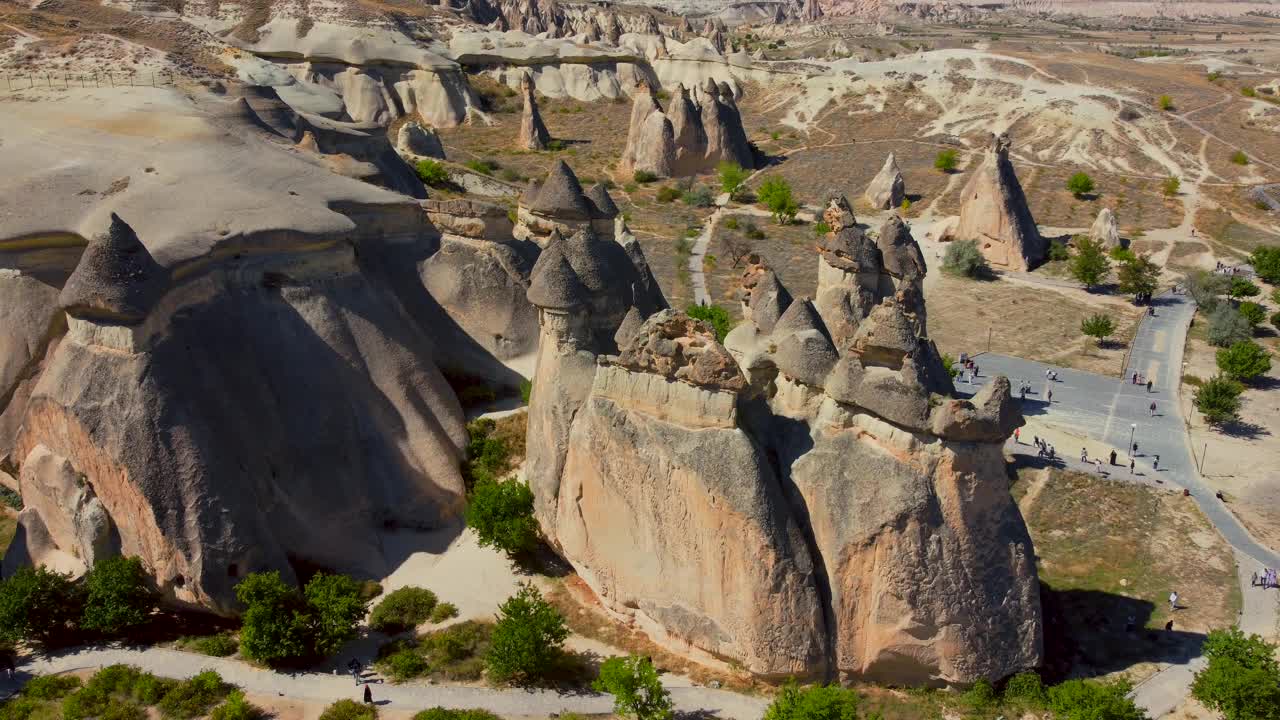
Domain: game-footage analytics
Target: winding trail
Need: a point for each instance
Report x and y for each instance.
(327, 688)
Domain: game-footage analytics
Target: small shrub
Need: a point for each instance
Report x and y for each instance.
(630, 188)
(484, 167)
(1164, 102)
(405, 665)
(402, 609)
(1058, 251)
(444, 611)
(1093, 700)
(1239, 158)
(1248, 92)
(949, 364)
(526, 391)
(965, 259)
(432, 173)
(194, 697)
(10, 497)
(732, 177)
(699, 196)
(820, 228)
(1192, 380)
(982, 695)
(236, 707)
(350, 710)
(1025, 686)
(1254, 313)
(555, 145)
(50, 687)
(1218, 398)
(667, 194)
(510, 175)
(643, 176)
(20, 708)
(370, 589)
(439, 713)
(1275, 320)
(220, 645)
(1227, 326)
(753, 232)
(1244, 361)
(501, 513)
(637, 692)
(946, 161)
(1080, 184)
(117, 709)
(830, 702)
(714, 314)
(1171, 186)
(730, 223)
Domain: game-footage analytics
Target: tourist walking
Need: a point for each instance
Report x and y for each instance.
(1048, 395)
(1017, 435)
(1131, 466)
(1153, 408)
(1148, 384)
(1173, 600)
(1097, 463)
(1156, 464)
(1084, 455)
(368, 695)
(1113, 457)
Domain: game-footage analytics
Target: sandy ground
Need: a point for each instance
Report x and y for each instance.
(455, 568)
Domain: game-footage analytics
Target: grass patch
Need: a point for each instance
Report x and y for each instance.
(220, 645)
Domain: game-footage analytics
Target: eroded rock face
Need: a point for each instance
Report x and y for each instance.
(887, 189)
(533, 133)
(688, 138)
(418, 140)
(63, 525)
(1105, 229)
(884, 542)
(994, 213)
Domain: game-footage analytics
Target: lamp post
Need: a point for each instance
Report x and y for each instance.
(1132, 428)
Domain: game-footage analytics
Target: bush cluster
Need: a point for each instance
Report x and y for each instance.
(965, 259)
(48, 608)
(714, 314)
(282, 626)
(403, 609)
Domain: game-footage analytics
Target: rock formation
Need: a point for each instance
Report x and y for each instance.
(823, 483)
(533, 134)
(414, 139)
(887, 189)
(994, 213)
(687, 139)
(1105, 229)
(559, 205)
(811, 11)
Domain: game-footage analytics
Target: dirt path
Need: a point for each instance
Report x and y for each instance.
(327, 688)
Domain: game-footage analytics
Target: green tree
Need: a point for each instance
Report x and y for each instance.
(336, 609)
(732, 177)
(946, 161)
(1171, 186)
(1253, 313)
(637, 692)
(528, 638)
(501, 513)
(1242, 288)
(776, 195)
(1080, 185)
(1205, 288)
(1164, 102)
(275, 626)
(714, 314)
(1244, 361)
(1266, 262)
(118, 596)
(964, 258)
(1218, 398)
(39, 605)
(1227, 326)
(432, 173)
(1093, 700)
(949, 364)
(1241, 679)
(1138, 276)
(1238, 157)
(817, 702)
(1090, 264)
(1098, 326)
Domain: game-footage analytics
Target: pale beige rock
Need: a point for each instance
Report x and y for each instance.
(72, 516)
(1105, 229)
(887, 189)
(994, 213)
(415, 139)
(533, 133)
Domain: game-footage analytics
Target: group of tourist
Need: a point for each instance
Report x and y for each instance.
(1266, 579)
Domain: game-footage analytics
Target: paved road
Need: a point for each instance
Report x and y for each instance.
(319, 687)
(1110, 410)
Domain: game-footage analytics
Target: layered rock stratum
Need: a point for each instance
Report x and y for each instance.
(803, 501)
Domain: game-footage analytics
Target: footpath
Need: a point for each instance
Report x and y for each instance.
(327, 688)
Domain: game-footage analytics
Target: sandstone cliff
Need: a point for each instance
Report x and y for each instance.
(809, 502)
